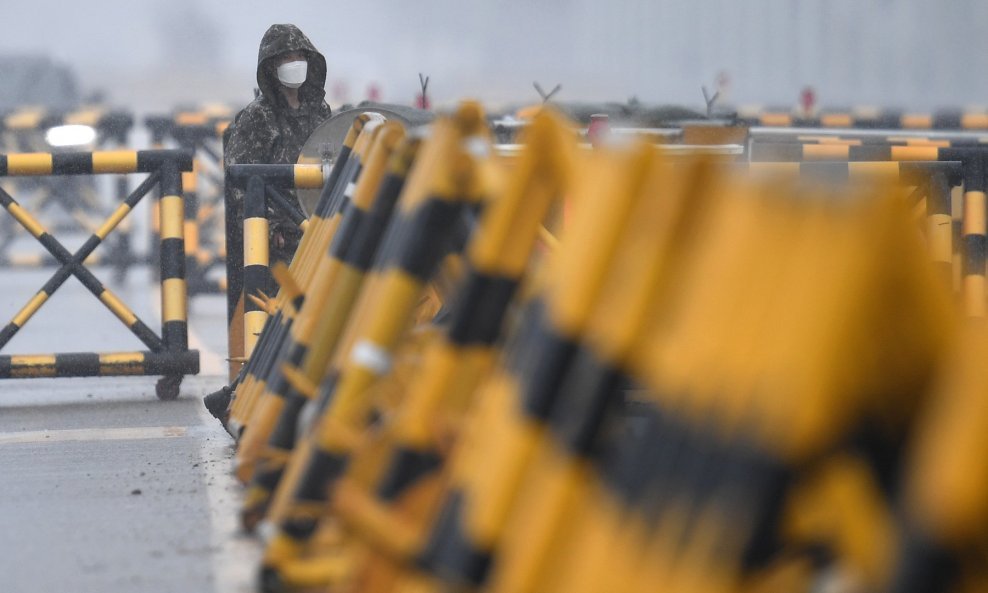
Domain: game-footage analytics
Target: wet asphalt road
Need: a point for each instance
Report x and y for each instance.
(102, 486)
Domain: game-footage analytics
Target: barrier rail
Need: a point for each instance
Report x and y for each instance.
(948, 119)
(945, 139)
(168, 354)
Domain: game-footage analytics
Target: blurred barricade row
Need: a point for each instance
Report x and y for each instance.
(614, 366)
(66, 203)
(865, 117)
(199, 130)
(956, 218)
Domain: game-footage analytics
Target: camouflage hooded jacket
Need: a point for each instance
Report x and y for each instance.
(268, 130)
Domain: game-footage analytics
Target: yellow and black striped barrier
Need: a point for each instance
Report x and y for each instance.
(545, 501)
(263, 185)
(943, 502)
(168, 353)
(933, 182)
(199, 131)
(939, 138)
(250, 380)
(32, 129)
(947, 119)
(796, 152)
(973, 240)
(252, 289)
(111, 125)
(330, 296)
(443, 183)
(409, 459)
(720, 378)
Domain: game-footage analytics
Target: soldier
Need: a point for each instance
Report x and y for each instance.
(291, 75)
(290, 105)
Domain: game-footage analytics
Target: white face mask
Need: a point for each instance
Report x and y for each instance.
(292, 74)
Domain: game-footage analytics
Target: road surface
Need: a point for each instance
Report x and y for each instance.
(105, 488)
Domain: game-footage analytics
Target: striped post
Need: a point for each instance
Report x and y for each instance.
(159, 127)
(190, 187)
(174, 291)
(261, 182)
(257, 276)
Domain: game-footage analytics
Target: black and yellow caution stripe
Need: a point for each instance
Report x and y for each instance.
(428, 221)
(280, 176)
(334, 291)
(88, 163)
(94, 364)
(940, 120)
(904, 172)
(324, 270)
(174, 288)
(498, 253)
(973, 163)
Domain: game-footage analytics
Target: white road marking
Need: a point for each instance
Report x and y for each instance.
(92, 434)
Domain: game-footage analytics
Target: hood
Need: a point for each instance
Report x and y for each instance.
(279, 39)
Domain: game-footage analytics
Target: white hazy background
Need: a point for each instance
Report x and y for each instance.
(155, 54)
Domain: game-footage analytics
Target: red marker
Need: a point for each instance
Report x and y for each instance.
(807, 100)
(373, 92)
(599, 129)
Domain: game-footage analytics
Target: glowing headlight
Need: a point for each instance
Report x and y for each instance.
(70, 135)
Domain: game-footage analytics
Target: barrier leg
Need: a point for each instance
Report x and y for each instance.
(174, 291)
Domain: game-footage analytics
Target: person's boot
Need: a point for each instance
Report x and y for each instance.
(218, 403)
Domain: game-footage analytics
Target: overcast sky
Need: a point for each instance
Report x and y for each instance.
(155, 53)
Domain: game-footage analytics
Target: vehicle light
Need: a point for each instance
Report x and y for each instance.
(70, 135)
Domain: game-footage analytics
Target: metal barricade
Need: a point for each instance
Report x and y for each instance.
(199, 131)
(167, 354)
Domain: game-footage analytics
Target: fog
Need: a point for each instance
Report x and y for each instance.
(159, 53)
